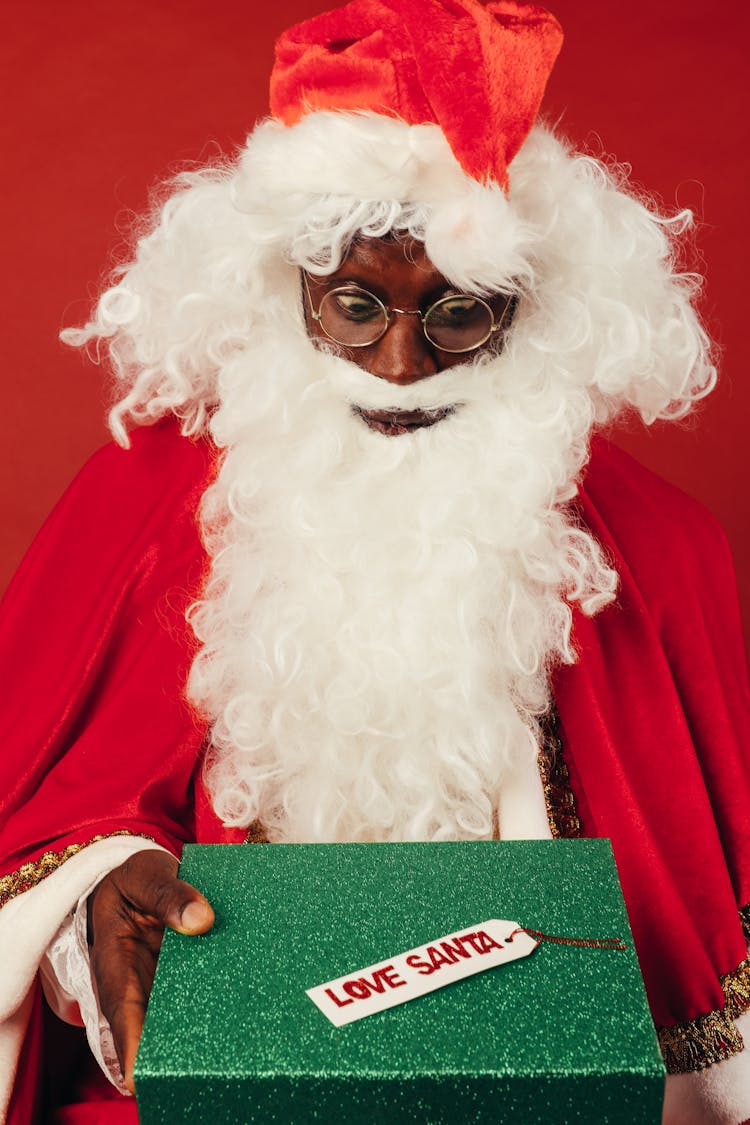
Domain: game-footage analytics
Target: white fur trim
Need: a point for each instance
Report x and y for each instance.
(522, 809)
(12, 1032)
(719, 1095)
(28, 924)
(365, 155)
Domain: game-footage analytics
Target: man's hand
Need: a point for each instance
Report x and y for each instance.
(127, 914)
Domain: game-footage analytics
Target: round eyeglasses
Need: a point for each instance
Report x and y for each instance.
(357, 318)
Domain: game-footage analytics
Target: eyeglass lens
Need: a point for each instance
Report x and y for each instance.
(356, 318)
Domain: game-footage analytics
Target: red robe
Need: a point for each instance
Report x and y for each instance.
(654, 716)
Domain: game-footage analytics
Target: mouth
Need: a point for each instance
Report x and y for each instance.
(393, 422)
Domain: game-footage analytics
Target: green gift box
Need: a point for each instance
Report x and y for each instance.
(561, 1035)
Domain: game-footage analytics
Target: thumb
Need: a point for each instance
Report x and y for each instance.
(149, 881)
(197, 916)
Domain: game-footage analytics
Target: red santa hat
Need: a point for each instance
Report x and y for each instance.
(475, 68)
(412, 102)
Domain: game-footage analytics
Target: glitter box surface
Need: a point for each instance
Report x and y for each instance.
(561, 1036)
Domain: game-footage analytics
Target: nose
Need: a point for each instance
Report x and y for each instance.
(403, 355)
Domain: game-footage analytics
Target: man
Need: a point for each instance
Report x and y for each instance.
(431, 601)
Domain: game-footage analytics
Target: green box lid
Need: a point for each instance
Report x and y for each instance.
(563, 1035)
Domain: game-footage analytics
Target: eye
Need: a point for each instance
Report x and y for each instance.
(355, 305)
(456, 312)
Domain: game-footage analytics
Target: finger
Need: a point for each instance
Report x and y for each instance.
(126, 1022)
(148, 880)
(124, 972)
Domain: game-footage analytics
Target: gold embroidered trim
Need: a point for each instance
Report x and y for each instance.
(736, 987)
(745, 920)
(699, 1043)
(30, 874)
(558, 794)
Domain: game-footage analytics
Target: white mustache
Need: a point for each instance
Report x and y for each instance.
(455, 385)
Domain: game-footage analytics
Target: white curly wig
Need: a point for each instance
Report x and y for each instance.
(595, 265)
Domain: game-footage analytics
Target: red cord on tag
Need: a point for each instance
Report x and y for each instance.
(583, 943)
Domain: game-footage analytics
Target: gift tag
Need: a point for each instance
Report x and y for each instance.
(424, 969)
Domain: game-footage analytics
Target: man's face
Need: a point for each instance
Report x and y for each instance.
(400, 274)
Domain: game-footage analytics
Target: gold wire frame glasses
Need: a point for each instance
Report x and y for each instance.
(356, 318)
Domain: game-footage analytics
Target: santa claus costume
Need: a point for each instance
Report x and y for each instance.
(263, 619)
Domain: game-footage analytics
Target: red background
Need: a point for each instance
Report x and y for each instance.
(102, 101)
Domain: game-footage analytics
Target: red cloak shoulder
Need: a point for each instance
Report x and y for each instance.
(94, 651)
(655, 718)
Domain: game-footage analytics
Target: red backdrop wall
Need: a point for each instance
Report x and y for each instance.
(102, 101)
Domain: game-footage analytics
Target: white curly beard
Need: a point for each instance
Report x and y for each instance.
(382, 612)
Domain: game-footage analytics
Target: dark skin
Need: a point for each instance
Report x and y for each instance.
(400, 273)
(129, 909)
(127, 914)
